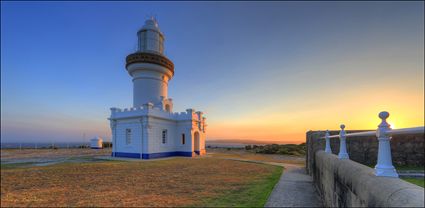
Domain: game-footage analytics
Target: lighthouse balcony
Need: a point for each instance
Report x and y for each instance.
(151, 58)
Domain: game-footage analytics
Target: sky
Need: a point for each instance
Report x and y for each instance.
(268, 71)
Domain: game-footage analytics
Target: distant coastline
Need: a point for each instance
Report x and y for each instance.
(236, 143)
(212, 143)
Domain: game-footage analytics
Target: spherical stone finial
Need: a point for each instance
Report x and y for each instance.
(342, 126)
(384, 115)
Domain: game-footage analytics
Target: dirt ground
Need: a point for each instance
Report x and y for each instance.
(173, 182)
(43, 157)
(10, 155)
(50, 156)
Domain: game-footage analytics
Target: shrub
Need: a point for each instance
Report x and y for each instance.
(107, 144)
(286, 149)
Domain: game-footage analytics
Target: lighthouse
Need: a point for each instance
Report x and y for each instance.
(149, 68)
(150, 129)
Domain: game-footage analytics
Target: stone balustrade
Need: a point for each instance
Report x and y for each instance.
(343, 182)
(384, 166)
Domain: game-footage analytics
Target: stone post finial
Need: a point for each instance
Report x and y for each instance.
(342, 144)
(385, 164)
(328, 144)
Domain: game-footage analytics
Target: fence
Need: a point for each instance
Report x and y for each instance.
(343, 179)
(384, 166)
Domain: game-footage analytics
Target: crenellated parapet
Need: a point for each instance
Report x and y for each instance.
(166, 104)
(150, 110)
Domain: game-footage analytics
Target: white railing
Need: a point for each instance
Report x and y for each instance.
(384, 166)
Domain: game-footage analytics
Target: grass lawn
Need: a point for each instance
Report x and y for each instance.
(416, 181)
(173, 182)
(243, 154)
(13, 154)
(412, 168)
(255, 194)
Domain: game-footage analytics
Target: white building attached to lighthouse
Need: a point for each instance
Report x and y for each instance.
(150, 129)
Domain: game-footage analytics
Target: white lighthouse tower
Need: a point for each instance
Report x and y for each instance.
(150, 69)
(150, 129)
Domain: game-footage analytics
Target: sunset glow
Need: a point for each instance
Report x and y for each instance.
(268, 71)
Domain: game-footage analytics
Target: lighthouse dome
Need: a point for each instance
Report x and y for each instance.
(151, 24)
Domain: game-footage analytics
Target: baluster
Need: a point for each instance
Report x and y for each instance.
(385, 164)
(328, 144)
(342, 144)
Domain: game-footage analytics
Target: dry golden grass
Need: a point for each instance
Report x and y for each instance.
(16, 154)
(173, 182)
(246, 155)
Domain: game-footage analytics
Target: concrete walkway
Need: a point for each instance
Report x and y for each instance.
(294, 189)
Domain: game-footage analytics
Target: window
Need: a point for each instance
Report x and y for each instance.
(128, 136)
(164, 136)
(183, 139)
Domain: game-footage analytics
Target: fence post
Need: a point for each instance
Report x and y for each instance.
(328, 144)
(385, 164)
(342, 144)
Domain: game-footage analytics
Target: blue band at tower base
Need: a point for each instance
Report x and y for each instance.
(152, 155)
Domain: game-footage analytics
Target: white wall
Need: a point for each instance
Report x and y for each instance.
(120, 141)
(154, 129)
(174, 141)
(149, 86)
(150, 124)
(184, 127)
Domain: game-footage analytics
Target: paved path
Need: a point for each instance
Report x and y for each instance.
(411, 173)
(294, 189)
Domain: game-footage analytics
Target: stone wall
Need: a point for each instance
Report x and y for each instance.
(407, 149)
(345, 183)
